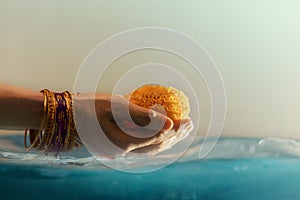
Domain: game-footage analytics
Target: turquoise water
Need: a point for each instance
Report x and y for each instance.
(238, 168)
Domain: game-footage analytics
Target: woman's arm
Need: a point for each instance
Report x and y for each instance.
(20, 108)
(23, 109)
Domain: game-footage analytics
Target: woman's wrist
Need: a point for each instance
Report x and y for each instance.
(57, 131)
(20, 108)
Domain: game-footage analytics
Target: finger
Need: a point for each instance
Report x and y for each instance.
(126, 141)
(180, 124)
(154, 149)
(171, 138)
(139, 116)
(181, 127)
(150, 118)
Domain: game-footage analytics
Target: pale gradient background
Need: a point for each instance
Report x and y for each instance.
(255, 43)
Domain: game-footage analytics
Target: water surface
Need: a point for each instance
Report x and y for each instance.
(237, 168)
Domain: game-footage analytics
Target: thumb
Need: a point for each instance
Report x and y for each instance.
(150, 118)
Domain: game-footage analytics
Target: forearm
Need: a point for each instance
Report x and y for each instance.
(20, 108)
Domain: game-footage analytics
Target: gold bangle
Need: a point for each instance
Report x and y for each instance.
(70, 141)
(36, 133)
(57, 132)
(48, 132)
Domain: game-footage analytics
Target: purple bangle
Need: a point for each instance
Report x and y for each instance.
(60, 130)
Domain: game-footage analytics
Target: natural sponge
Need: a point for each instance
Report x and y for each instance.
(162, 99)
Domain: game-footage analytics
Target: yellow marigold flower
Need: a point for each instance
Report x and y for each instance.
(166, 100)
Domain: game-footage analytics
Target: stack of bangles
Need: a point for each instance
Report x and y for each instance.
(57, 132)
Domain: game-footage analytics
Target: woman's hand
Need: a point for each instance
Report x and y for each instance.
(139, 135)
(149, 132)
(178, 133)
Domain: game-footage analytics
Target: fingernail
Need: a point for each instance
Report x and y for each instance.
(168, 124)
(162, 122)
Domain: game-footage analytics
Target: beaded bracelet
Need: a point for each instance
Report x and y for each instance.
(57, 132)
